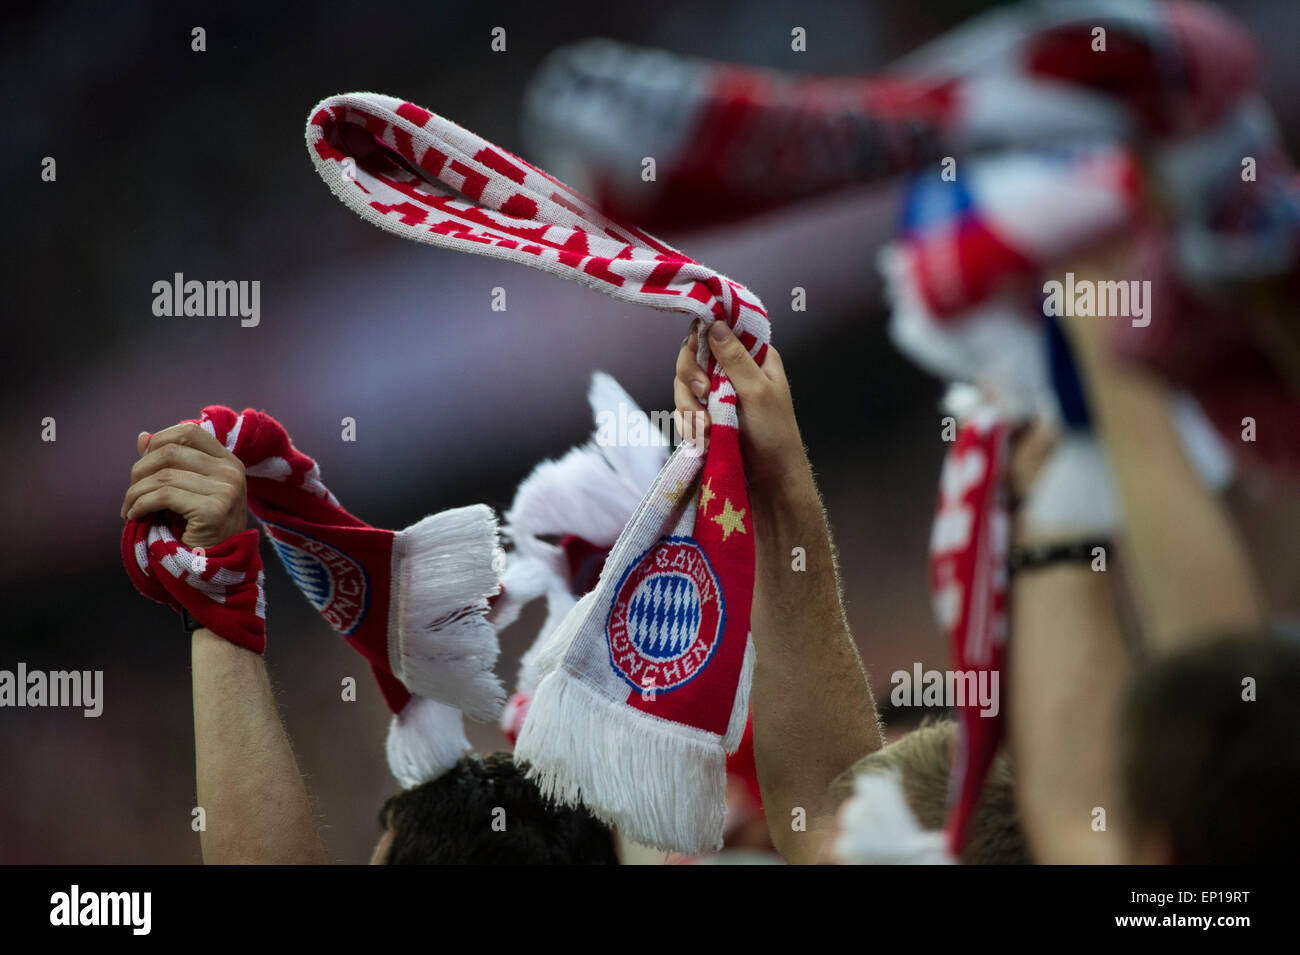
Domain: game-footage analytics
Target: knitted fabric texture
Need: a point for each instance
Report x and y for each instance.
(413, 603)
(648, 684)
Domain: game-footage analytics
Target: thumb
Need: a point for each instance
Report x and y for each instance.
(142, 442)
(735, 359)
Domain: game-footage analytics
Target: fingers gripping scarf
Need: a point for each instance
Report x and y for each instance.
(413, 602)
(649, 685)
(1060, 145)
(584, 500)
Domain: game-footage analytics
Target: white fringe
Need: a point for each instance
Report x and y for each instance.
(592, 492)
(638, 465)
(441, 644)
(578, 494)
(524, 580)
(424, 741)
(625, 766)
(662, 784)
(594, 489)
(548, 652)
(877, 827)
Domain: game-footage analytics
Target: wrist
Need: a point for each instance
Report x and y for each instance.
(1080, 552)
(787, 482)
(205, 640)
(211, 541)
(1025, 535)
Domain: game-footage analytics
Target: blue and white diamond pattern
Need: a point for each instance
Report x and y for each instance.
(663, 616)
(307, 572)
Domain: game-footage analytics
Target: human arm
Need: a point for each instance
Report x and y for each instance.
(1192, 572)
(814, 714)
(1068, 667)
(254, 799)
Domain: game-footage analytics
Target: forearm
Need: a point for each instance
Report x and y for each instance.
(1069, 666)
(814, 715)
(255, 802)
(1191, 567)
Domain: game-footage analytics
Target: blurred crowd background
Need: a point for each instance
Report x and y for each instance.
(173, 161)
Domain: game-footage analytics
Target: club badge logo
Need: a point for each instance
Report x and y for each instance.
(332, 582)
(667, 617)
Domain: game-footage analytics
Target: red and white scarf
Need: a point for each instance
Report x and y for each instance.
(1170, 89)
(583, 501)
(968, 584)
(413, 603)
(634, 717)
(966, 274)
(734, 140)
(1174, 92)
(565, 517)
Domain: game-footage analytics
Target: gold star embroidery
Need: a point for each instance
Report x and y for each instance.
(675, 495)
(706, 495)
(730, 520)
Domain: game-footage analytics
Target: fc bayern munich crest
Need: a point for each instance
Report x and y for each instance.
(334, 583)
(667, 617)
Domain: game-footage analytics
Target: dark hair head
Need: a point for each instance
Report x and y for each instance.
(1213, 772)
(485, 811)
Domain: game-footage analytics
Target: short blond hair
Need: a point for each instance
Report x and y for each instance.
(923, 759)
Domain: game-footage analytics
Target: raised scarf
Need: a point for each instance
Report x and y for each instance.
(1065, 125)
(648, 687)
(413, 602)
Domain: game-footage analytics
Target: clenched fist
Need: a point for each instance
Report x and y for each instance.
(185, 470)
(769, 437)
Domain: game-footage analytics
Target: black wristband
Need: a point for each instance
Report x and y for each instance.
(1045, 555)
(188, 622)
